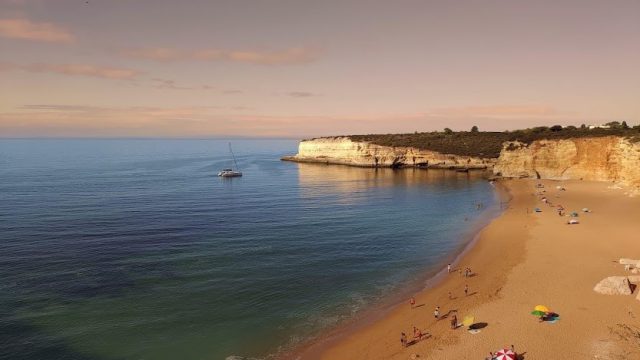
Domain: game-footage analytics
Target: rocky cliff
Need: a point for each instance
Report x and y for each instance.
(610, 158)
(341, 150)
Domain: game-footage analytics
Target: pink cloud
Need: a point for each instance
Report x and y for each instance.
(293, 56)
(301, 94)
(202, 121)
(104, 72)
(25, 29)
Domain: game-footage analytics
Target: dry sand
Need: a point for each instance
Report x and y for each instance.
(523, 259)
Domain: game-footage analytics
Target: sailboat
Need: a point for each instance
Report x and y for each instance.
(231, 172)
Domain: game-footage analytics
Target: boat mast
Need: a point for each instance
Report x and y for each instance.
(234, 157)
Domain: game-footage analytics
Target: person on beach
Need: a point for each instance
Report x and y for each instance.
(449, 268)
(436, 313)
(514, 351)
(412, 302)
(466, 290)
(403, 340)
(417, 333)
(454, 322)
(450, 296)
(490, 357)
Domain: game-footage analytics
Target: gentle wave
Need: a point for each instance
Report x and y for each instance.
(127, 249)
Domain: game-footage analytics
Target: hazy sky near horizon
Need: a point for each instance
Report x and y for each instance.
(287, 68)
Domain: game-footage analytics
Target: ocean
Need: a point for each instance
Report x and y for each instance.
(135, 249)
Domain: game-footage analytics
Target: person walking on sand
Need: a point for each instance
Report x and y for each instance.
(450, 296)
(403, 340)
(412, 302)
(454, 322)
(436, 313)
(466, 290)
(449, 268)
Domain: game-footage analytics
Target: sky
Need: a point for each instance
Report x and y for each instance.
(296, 68)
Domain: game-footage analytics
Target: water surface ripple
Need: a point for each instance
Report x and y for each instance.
(135, 249)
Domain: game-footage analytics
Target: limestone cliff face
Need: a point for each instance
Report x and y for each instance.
(608, 158)
(341, 150)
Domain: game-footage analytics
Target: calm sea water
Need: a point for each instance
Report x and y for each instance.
(135, 249)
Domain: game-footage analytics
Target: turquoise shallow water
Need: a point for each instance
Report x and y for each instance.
(135, 249)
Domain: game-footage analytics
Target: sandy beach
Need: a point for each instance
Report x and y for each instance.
(523, 259)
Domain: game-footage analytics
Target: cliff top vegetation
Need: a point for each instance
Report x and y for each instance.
(487, 144)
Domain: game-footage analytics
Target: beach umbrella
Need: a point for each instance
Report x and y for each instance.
(505, 354)
(468, 320)
(574, 214)
(537, 313)
(541, 308)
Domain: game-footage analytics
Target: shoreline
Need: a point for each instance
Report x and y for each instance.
(522, 259)
(436, 166)
(432, 278)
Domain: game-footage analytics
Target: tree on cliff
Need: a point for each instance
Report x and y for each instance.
(474, 129)
(448, 131)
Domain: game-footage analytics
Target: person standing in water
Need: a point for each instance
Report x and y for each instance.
(449, 268)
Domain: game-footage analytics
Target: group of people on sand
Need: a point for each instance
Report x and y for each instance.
(559, 208)
(417, 333)
(417, 336)
(467, 271)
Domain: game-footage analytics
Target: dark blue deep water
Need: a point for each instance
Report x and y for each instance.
(135, 249)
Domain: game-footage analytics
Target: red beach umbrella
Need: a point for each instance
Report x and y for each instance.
(505, 354)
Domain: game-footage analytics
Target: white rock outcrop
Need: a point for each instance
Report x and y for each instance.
(614, 285)
(625, 261)
(344, 151)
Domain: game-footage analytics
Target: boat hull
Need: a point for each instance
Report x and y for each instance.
(230, 174)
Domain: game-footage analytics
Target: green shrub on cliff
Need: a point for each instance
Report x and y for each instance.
(488, 144)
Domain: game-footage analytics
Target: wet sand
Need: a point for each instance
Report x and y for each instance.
(520, 260)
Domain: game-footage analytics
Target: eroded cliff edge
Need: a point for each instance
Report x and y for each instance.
(610, 158)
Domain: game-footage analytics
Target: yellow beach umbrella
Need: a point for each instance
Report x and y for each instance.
(541, 308)
(468, 320)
